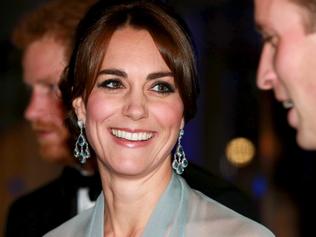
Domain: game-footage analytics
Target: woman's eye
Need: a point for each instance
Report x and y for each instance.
(163, 87)
(111, 84)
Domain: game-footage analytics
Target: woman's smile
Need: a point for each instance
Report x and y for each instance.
(131, 136)
(131, 139)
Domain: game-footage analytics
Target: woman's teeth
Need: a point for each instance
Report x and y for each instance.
(132, 136)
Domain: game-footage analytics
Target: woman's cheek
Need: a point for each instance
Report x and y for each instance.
(170, 113)
(100, 107)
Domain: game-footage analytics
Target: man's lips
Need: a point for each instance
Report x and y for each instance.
(292, 118)
(44, 134)
(288, 104)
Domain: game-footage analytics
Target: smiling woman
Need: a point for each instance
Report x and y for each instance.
(129, 103)
(132, 82)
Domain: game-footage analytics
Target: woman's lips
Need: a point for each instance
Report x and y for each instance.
(132, 138)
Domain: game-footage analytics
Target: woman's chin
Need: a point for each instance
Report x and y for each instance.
(128, 169)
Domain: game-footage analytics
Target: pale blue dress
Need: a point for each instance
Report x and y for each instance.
(180, 212)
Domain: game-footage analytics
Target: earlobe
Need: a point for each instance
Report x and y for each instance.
(79, 108)
(182, 123)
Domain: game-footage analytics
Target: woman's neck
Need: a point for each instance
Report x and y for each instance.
(129, 202)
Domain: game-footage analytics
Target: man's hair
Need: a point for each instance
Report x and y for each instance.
(310, 6)
(57, 19)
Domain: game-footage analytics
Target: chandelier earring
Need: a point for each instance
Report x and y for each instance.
(81, 150)
(179, 162)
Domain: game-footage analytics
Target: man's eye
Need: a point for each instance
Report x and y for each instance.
(111, 84)
(53, 87)
(163, 87)
(49, 88)
(270, 39)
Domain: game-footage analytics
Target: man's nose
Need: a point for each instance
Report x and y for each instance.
(35, 106)
(266, 75)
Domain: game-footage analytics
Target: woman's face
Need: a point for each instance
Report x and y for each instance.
(134, 112)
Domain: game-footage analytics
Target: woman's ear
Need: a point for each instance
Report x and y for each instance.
(182, 123)
(80, 109)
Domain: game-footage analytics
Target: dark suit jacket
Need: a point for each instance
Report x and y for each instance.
(45, 208)
(37, 213)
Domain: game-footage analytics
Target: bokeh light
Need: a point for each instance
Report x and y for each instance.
(240, 151)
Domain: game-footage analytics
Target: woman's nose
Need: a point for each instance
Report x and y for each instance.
(135, 105)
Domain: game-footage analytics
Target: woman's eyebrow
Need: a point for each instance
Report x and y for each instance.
(115, 72)
(120, 73)
(157, 75)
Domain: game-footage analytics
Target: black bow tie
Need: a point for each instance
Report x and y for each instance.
(75, 179)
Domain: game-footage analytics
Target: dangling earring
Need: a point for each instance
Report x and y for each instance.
(81, 147)
(179, 161)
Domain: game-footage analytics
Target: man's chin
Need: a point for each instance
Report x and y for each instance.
(306, 141)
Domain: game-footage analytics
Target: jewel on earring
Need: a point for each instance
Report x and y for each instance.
(81, 150)
(179, 162)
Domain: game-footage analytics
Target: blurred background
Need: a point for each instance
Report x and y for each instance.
(240, 133)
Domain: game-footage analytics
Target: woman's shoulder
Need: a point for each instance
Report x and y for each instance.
(206, 215)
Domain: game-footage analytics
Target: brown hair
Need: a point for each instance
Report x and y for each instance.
(310, 6)
(57, 18)
(95, 30)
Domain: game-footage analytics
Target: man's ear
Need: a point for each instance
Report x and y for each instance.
(80, 109)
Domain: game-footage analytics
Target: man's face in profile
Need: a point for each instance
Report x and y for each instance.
(43, 64)
(288, 64)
